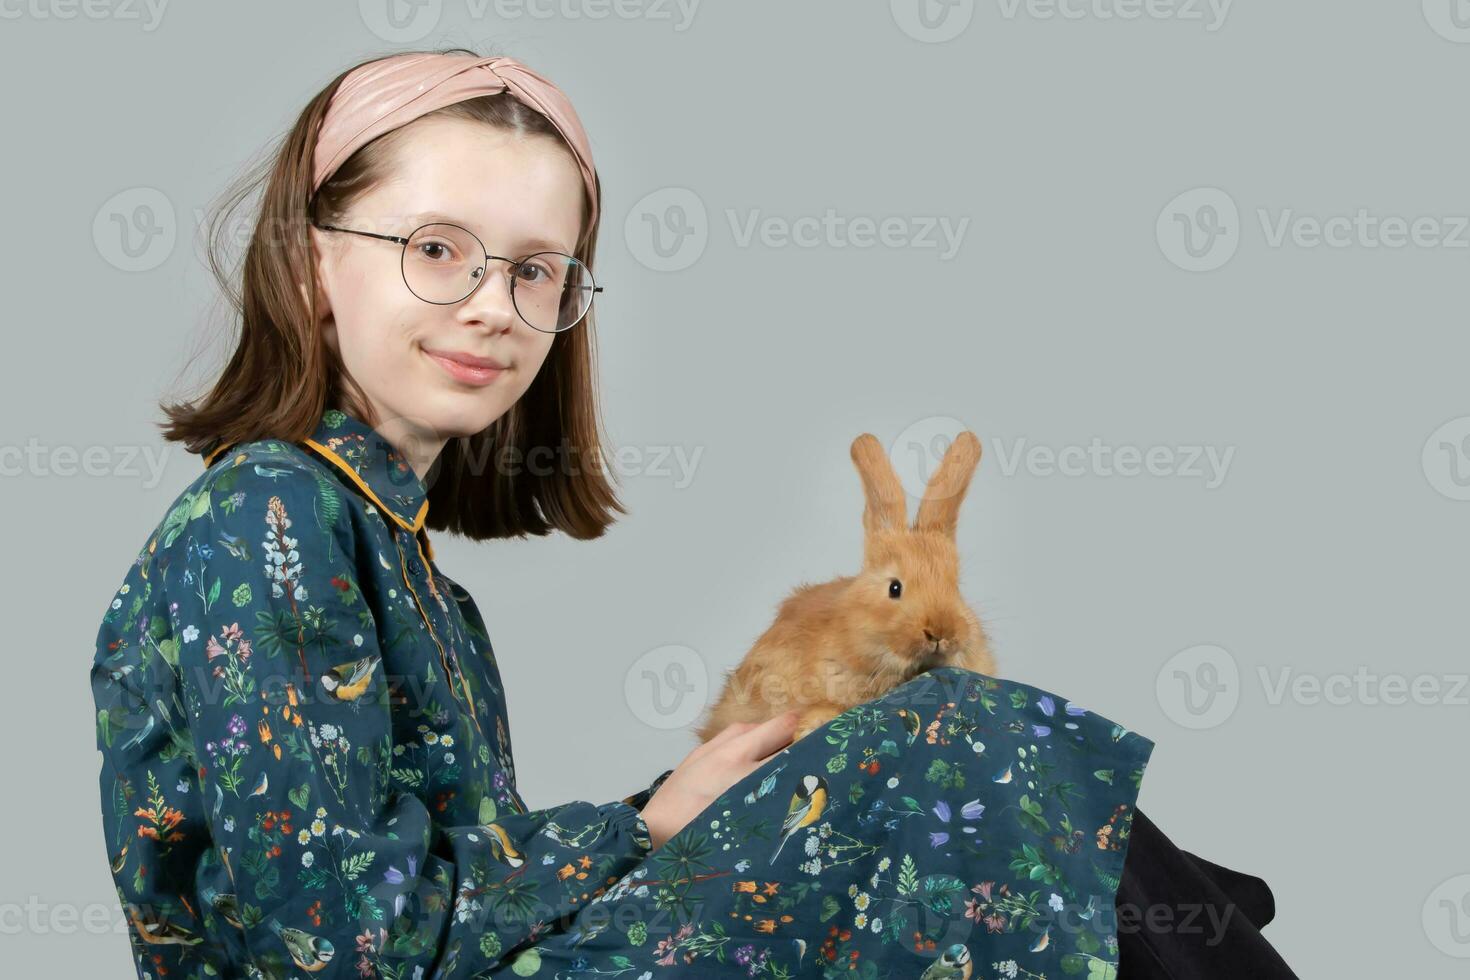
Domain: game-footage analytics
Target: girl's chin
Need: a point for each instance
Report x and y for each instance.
(459, 413)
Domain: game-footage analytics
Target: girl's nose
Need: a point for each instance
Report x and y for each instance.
(491, 302)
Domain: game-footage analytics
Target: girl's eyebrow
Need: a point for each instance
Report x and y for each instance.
(530, 244)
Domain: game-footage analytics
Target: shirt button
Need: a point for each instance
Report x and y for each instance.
(414, 567)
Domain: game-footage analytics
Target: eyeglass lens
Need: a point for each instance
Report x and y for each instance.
(442, 263)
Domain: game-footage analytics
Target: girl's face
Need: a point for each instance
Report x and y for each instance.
(518, 195)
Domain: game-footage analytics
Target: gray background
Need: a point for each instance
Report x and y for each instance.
(1073, 309)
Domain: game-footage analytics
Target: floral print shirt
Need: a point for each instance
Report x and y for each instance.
(306, 759)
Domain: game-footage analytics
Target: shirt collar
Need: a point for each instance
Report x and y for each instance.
(370, 462)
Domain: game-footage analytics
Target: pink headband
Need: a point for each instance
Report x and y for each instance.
(389, 92)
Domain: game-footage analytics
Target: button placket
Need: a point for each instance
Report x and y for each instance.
(409, 567)
(418, 567)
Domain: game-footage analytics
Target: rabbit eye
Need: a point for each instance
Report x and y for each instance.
(895, 588)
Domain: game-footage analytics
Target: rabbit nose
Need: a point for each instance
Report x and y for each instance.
(929, 636)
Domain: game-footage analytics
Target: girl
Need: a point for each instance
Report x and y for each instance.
(307, 765)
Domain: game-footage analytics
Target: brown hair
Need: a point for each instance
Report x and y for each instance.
(282, 374)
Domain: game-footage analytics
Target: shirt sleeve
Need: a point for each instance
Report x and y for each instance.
(312, 854)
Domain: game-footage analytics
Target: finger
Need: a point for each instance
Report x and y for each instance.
(761, 762)
(780, 749)
(770, 736)
(732, 730)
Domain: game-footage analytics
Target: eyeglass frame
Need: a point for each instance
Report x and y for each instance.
(403, 242)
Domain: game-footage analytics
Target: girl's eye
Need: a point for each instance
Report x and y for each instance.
(532, 273)
(434, 251)
(895, 588)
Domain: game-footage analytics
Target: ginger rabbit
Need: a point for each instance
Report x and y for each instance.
(839, 643)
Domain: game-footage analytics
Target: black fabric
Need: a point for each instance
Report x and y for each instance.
(1182, 916)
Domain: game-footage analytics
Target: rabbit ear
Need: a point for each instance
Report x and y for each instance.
(940, 508)
(886, 508)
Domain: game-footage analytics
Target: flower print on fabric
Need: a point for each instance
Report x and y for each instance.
(307, 770)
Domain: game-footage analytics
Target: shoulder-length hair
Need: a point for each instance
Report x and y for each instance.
(282, 375)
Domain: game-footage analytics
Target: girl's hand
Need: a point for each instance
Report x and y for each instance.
(712, 768)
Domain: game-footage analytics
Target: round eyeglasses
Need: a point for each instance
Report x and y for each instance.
(444, 263)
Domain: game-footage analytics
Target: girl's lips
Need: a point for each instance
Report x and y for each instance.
(460, 371)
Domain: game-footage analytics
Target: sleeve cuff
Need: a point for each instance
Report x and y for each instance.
(640, 799)
(629, 828)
